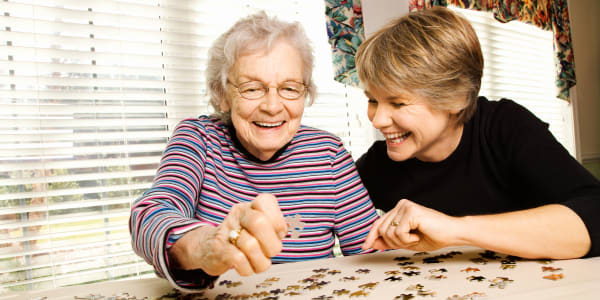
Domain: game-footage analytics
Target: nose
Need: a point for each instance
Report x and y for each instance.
(272, 102)
(379, 116)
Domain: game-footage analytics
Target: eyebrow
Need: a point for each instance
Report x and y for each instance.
(254, 78)
(389, 98)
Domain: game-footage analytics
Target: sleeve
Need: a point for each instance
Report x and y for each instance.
(544, 168)
(166, 211)
(354, 211)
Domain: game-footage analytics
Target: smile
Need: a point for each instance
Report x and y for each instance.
(396, 137)
(268, 124)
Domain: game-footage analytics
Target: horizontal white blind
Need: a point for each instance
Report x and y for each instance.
(90, 92)
(519, 65)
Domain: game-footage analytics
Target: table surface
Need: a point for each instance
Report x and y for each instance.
(451, 273)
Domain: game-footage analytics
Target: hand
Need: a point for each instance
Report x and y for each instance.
(208, 248)
(415, 227)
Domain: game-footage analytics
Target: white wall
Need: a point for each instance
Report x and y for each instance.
(585, 35)
(377, 13)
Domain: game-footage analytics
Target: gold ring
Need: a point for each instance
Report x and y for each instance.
(394, 223)
(234, 235)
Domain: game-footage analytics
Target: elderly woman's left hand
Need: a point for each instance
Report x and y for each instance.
(260, 227)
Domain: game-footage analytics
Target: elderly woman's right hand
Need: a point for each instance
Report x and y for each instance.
(209, 248)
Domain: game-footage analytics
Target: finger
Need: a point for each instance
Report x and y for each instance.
(240, 262)
(258, 225)
(251, 248)
(268, 204)
(380, 244)
(372, 235)
(386, 229)
(404, 232)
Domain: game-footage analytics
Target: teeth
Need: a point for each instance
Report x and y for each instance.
(265, 124)
(396, 137)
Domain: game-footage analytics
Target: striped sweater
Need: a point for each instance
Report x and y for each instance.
(204, 172)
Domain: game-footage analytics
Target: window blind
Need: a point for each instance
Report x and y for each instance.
(519, 65)
(90, 92)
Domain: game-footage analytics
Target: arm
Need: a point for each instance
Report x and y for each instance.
(186, 250)
(562, 195)
(550, 231)
(355, 212)
(165, 211)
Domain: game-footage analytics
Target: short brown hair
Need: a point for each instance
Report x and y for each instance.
(434, 53)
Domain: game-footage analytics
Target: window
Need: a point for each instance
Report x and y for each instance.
(519, 65)
(90, 93)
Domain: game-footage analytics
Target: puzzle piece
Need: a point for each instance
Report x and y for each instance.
(554, 276)
(394, 278)
(370, 285)
(341, 292)
(500, 282)
(295, 225)
(469, 269)
(475, 278)
(359, 293)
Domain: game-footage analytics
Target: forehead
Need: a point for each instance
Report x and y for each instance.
(387, 93)
(279, 63)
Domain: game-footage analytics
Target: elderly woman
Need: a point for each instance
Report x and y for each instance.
(250, 186)
(458, 169)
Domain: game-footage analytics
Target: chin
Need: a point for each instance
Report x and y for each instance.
(395, 156)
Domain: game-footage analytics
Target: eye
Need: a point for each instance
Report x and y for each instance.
(397, 104)
(372, 101)
(289, 89)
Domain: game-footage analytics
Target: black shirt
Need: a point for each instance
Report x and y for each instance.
(506, 160)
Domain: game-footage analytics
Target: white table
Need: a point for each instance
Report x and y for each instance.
(341, 278)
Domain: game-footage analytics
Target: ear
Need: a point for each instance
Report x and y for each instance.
(224, 104)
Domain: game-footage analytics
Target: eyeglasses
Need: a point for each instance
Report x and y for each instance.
(252, 90)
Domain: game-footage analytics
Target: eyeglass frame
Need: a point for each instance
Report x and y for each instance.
(266, 89)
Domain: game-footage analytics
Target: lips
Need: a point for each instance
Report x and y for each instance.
(396, 137)
(268, 124)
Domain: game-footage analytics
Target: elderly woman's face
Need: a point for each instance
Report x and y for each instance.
(266, 124)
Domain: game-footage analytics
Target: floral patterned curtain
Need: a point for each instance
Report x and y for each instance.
(346, 32)
(546, 14)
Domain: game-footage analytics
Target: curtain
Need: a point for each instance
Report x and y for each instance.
(346, 32)
(546, 14)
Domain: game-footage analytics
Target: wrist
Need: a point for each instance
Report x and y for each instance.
(462, 231)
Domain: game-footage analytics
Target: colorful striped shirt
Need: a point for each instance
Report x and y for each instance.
(204, 172)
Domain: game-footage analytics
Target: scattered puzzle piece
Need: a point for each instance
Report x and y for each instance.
(554, 276)
(469, 269)
(476, 278)
(411, 273)
(393, 278)
(341, 292)
(370, 285)
(295, 225)
(359, 293)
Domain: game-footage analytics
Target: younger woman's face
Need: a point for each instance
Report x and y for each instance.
(411, 127)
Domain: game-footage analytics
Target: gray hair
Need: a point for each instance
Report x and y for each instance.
(248, 35)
